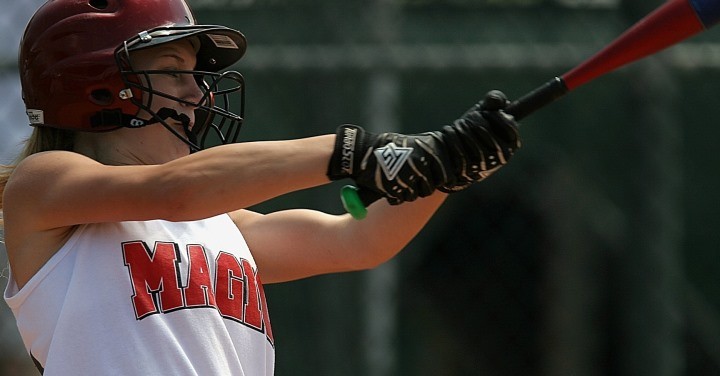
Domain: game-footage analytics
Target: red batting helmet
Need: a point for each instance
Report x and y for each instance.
(76, 72)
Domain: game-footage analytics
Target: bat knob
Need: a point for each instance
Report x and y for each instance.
(494, 100)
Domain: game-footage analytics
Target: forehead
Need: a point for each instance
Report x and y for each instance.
(182, 50)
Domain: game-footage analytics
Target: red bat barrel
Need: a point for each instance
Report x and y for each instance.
(673, 22)
(669, 24)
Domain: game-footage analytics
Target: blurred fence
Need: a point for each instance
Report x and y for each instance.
(594, 253)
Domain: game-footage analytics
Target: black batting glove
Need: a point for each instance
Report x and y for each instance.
(398, 167)
(480, 142)
(404, 167)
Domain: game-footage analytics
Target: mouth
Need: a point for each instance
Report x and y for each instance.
(181, 127)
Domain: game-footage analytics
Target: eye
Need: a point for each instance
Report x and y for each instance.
(169, 70)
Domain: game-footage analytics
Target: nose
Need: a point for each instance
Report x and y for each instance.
(191, 91)
(191, 97)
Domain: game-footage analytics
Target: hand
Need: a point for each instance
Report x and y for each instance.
(398, 167)
(404, 167)
(481, 141)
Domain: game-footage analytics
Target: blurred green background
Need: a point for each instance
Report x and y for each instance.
(594, 253)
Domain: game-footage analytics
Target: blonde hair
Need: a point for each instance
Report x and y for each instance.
(41, 139)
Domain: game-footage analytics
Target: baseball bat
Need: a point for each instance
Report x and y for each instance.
(669, 24)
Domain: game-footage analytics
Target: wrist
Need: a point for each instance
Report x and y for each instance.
(345, 157)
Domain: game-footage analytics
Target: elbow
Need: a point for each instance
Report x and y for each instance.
(368, 259)
(369, 250)
(169, 206)
(173, 201)
(174, 209)
(372, 264)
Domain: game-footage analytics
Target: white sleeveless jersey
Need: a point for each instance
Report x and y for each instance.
(148, 298)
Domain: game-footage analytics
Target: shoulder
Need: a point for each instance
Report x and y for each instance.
(29, 243)
(39, 167)
(37, 172)
(34, 169)
(49, 159)
(31, 192)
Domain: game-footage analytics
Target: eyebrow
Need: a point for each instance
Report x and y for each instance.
(170, 52)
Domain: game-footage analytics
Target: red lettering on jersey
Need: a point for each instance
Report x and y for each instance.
(253, 306)
(229, 286)
(155, 275)
(266, 314)
(155, 278)
(198, 292)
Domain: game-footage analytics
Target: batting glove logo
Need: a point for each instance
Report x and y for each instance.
(392, 158)
(348, 150)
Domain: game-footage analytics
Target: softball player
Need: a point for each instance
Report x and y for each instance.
(130, 249)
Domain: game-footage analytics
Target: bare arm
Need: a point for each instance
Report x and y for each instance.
(295, 244)
(214, 181)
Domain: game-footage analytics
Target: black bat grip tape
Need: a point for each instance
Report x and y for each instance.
(545, 94)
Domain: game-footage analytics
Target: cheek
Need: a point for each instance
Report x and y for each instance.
(156, 102)
(160, 84)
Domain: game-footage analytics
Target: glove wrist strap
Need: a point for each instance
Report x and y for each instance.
(346, 153)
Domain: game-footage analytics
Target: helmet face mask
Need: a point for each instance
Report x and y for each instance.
(218, 113)
(76, 68)
(216, 123)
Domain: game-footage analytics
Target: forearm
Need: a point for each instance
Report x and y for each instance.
(294, 244)
(387, 229)
(235, 176)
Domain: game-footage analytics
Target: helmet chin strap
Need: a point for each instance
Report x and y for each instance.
(119, 119)
(168, 113)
